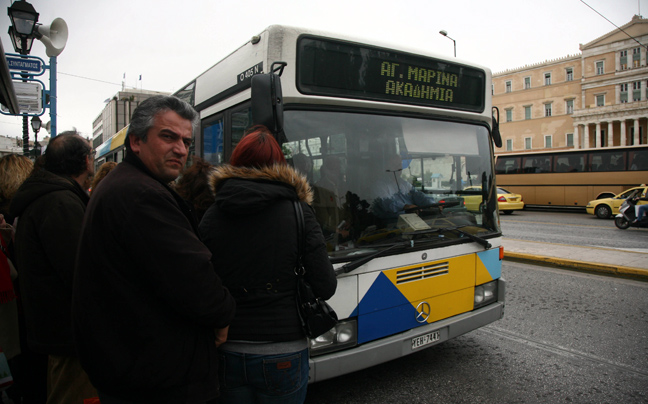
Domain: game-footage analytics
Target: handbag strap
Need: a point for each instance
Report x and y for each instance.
(299, 215)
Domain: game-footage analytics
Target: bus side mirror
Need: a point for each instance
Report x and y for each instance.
(267, 99)
(495, 133)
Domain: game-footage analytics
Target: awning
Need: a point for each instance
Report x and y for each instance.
(7, 92)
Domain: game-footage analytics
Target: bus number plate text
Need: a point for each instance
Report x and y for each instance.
(426, 339)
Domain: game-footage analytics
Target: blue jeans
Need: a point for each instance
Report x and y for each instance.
(262, 379)
(106, 399)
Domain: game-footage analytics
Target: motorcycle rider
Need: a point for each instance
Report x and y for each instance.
(640, 210)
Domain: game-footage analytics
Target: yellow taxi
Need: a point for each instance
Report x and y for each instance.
(506, 201)
(608, 207)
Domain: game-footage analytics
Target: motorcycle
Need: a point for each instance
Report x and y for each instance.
(627, 215)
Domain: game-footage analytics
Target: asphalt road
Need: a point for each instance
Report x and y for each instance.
(573, 229)
(565, 337)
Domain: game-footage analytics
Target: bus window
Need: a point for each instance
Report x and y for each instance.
(213, 141)
(536, 164)
(241, 120)
(570, 163)
(639, 160)
(507, 165)
(607, 161)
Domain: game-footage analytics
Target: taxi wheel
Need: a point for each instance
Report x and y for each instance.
(603, 211)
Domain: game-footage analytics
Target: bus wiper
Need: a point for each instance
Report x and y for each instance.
(476, 239)
(350, 266)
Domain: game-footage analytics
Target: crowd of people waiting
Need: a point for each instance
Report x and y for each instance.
(150, 289)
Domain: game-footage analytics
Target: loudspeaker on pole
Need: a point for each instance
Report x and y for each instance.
(54, 36)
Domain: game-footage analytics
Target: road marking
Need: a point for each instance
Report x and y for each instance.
(560, 350)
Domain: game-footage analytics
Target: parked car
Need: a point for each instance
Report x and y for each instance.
(506, 201)
(608, 207)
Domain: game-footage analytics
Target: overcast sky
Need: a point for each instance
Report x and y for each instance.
(169, 43)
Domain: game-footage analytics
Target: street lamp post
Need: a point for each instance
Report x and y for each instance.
(24, 29)
(36, 125)
(23, 21)
(445, 34)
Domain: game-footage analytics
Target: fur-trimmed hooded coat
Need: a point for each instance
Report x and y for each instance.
(251, 230)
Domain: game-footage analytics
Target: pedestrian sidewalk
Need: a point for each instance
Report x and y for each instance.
(626, 263)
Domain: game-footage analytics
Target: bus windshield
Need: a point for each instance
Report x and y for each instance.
(380, 180)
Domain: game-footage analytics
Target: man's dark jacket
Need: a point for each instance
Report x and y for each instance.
(146, 296)
(50, 211)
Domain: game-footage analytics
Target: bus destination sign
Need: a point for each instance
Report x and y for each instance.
(342, 69)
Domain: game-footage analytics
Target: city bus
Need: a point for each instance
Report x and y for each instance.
(572, 178)
(409, 279)
(112, 149)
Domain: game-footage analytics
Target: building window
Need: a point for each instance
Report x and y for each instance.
(527, 83)
(569, 74)
(623, 59)
(636, 91)
(527, 143)
(508, 86)
(548, 141)
(547, 108)
(570, 140)
(509, 115)
(623, 93)
(527, 112)
(636, 57)
(509, 144)
(600, 67)
(569, 106)
(547, 79)
(600, 100)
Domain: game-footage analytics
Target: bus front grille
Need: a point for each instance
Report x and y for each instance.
(422, 272)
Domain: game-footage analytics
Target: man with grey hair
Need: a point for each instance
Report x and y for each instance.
(149, 310)
(50, 205)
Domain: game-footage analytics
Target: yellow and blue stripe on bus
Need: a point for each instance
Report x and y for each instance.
(389, 303)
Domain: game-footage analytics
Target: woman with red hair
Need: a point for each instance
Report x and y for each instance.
(251, 230)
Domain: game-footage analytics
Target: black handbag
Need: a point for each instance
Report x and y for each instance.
(316, 316)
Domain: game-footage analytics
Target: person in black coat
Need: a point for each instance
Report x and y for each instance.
(251, 230)
(50, 205)
(148, 308)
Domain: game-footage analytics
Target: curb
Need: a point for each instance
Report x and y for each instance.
(616, 270)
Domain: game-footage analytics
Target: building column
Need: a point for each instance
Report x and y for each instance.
(610, 134)
(597, 136)
(586, 137)
(623, 132)
(576, 142)
(636, 132)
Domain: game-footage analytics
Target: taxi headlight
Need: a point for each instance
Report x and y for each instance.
(485, 294)
(343, 335)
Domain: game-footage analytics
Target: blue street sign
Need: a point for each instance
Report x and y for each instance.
(24, 65)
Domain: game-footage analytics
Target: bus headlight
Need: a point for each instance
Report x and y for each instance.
(343, 335)
(485, 294)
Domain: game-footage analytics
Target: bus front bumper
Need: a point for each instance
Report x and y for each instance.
(396, 346)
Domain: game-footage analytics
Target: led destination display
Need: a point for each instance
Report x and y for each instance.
(342, 69)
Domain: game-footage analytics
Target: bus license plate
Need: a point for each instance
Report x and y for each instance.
(426, 339)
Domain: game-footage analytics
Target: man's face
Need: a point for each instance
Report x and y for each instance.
(166, 147)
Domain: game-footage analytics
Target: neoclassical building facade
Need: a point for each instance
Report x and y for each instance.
(595, 99)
